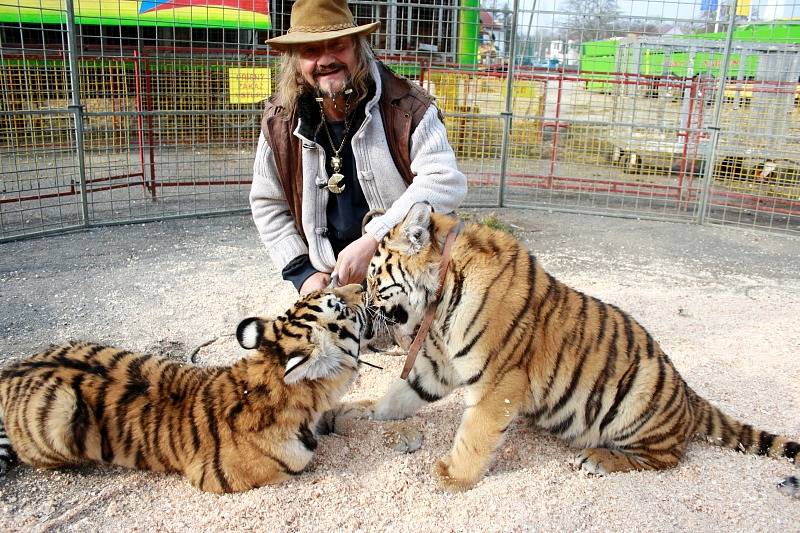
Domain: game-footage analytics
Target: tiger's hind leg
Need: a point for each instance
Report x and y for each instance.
(602, 461)
(62, 434)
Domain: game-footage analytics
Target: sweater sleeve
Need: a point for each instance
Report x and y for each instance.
(298, 270)
(271, 211)
(438, 180)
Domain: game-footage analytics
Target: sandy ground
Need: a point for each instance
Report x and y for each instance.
(722, 302)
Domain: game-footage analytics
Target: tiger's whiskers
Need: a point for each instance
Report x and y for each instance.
(370, 364)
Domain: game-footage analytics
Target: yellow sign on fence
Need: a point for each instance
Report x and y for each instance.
(743, 8)
(249, 85)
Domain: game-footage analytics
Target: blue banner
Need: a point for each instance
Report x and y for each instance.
(708, 5)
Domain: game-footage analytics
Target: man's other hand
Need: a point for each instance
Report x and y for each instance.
(354, 260)
(315, 282)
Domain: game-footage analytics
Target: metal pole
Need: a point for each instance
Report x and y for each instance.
(509, 104)
(391, 32)
(76, 108)
(714, 128)
(527, 43)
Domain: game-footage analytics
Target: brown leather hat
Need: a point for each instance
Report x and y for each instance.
(320, 20)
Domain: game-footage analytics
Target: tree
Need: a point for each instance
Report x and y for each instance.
(591, 20)
(647, 27)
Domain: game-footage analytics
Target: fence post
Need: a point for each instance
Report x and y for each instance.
(711, 160)
(509, 105)
(76, 108)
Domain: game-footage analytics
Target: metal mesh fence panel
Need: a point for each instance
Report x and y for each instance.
(168, 97)
(756, 178)
(670, 110)
(113, 112)
(38, 160)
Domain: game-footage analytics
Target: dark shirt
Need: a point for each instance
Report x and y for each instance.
(345, 210)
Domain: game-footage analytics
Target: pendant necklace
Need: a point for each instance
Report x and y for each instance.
(336, 161)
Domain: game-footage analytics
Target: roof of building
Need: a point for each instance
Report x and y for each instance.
(487, 20)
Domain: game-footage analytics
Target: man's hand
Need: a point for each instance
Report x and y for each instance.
(315, 282)
(354, 260)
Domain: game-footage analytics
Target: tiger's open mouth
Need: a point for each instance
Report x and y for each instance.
(378, 333)
(381, 333)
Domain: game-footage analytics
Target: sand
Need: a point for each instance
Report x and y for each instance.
(723, 302)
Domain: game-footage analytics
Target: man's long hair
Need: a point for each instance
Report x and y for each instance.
(291, 84)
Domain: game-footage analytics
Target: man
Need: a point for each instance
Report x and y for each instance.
(341, 136)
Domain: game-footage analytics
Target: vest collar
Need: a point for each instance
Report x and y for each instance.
(395, 87)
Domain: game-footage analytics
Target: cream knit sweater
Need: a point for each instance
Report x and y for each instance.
(438, 181)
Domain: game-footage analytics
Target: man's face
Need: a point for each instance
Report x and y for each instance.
(327, 65)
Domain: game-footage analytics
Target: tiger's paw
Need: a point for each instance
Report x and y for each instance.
(790, 486)
(390, 410)
(590, 462)
(602, 461)
(339, 420)
(443, 473)
(402, 437)
(360, 410)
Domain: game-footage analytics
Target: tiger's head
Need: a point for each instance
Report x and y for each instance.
(403, 275)
(318, 338)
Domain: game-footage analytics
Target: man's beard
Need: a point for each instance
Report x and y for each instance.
(330, 90)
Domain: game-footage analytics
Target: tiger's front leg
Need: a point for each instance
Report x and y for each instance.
(425, 384)
(399, 402)
(482, 428)
(403, 399)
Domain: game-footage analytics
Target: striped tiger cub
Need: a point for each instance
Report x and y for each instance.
(227, 429)
(519, 342)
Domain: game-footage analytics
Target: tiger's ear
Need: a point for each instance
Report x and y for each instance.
(369, 216)
(415, 227)
(250, 332)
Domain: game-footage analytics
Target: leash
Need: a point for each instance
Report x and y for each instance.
(427, 320)
(334, 282)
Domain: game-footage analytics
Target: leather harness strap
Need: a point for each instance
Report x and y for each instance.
(427, 320)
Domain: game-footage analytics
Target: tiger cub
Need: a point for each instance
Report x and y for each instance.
(227, 429)
(522, 343)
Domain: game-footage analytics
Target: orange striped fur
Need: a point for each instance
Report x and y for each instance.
(227, 429)
(522, 343)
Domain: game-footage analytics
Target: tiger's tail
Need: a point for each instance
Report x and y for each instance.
(7, 455)
(723, 430)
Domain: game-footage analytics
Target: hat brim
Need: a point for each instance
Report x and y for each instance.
(283, 42)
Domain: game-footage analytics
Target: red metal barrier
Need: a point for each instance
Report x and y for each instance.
(684, 191)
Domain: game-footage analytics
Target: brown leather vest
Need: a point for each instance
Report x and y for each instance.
(402, 106)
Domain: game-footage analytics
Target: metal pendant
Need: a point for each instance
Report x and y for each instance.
(333, 183)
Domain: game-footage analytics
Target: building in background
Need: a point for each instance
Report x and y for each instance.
(406, 27)
(412, 27)
(492, 39)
